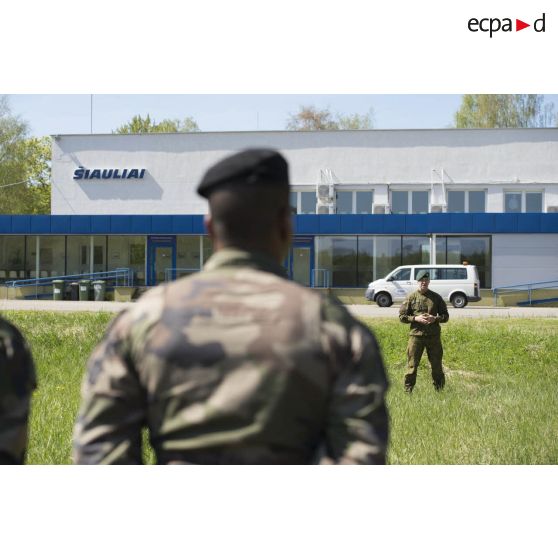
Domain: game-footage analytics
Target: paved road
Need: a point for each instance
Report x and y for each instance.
(363, 310)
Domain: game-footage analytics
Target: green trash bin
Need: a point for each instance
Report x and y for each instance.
(58, 290)
(84, 285)
(99, 288)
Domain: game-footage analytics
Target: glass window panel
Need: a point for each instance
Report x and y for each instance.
(338, 255)
(344, 203)
(513, 202)
(474, 250)
(399, 202)
(52, 256)
(416, 250)
(420, 202)
(387, 256)
(435, 273)
(307, 202)
(78, 258)
(207, 248)
(533, 202)
(187, 255)
(364, 201)
(453, 273)
(293, 199)
(12, 254)
(30, 257)
(365, 260)
(477, 201)
(441, 243)
(456, 201)
(128, 252)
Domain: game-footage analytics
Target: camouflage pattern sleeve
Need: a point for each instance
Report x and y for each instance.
(405, 311)
(17, 382)
(113, 409)
(443, 314)
(357, 424)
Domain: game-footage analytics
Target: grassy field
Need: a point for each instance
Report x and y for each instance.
(499, 405)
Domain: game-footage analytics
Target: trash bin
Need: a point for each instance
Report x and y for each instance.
(84, 285)
(99, 290)
(74, 291)
(58, 290)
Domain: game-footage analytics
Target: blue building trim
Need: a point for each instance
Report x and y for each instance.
(437, 223)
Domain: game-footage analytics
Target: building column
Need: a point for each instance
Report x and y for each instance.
(433, 249)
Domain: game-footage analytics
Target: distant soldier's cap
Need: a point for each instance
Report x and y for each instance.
(423, 275)
(253, 167)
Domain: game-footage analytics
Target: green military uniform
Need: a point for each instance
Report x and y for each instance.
(17, 382)
(424, 336)
(234, 365)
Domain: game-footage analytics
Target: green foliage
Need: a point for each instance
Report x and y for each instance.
(140, 125)
(309, 118)
(24, 167)
(504, 111)
(499, 405)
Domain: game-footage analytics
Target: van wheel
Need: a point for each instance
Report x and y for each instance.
(383, 300)
(459, 300)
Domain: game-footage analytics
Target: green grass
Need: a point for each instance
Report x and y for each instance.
(499, 405)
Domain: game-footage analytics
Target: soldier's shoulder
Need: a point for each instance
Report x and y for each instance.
(16, 364)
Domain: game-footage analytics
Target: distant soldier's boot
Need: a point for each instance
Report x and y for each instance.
(439, 383)
(410, 380)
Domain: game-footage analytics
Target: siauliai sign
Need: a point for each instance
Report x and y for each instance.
(82, 173)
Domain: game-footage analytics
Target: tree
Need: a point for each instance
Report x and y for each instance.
(24, 167)
(309, 118)
(139, 125)
(504, 111)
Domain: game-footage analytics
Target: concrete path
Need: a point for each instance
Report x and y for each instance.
(363, 310)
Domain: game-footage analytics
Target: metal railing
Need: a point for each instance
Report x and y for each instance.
(323, 274)
(547, 289)
(121, 277)
(172, 273)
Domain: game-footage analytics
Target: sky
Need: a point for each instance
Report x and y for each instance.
(71, 114)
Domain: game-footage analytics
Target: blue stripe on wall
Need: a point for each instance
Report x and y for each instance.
(456, 223)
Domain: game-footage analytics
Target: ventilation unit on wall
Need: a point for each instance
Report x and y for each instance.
(325, 209)
(436, 209)
(552, 209)
(381, 209)
(325, 192)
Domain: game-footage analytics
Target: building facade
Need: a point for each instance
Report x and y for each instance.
(365, 201)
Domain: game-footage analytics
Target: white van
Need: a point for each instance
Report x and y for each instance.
(458, 284)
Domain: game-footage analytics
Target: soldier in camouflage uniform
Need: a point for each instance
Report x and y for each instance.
(425, 310)
(236, 364)
(17, 382)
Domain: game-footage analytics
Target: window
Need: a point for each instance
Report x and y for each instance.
(453, 273)
(344, 202)
(402, 275)
(465, 201)
(533, 202)
(364, 201)
(435, 273)
(523, 202)
(513, 202)
(294, 201)
(307, 202)
(409, 201)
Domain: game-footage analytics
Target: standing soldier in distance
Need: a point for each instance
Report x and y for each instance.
(236, 364)
(17, 382)
(425, 310)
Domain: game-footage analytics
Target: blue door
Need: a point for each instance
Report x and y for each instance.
(301, 261)
(161, 259)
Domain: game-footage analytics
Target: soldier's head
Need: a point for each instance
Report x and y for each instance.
(423, 280)
(249, 207)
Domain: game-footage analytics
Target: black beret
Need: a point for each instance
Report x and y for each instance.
(262, 167)
(423, 275)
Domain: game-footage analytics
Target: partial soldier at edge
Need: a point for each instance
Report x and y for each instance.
(425, 310)
(17, 382)
(237, 364)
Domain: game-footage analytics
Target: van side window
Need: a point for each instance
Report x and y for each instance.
(434, 272)
(453, 273)
(402, 275)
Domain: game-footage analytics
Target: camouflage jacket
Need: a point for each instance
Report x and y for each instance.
(429, 303)
(234, 365)
(17, 382)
